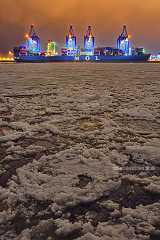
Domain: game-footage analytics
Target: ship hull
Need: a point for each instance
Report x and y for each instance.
(83, 58)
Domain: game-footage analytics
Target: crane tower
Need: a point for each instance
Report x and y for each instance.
(33, 43)
(71, 41)
(123, 42)
(89, 41)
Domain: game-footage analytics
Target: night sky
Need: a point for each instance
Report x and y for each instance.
(52, 18)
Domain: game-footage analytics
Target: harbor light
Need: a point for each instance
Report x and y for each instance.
(27, 35)
(6, 59)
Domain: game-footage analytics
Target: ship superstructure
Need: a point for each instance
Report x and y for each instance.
(51, 48)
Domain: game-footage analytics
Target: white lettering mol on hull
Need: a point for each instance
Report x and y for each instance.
(76, 58)
(97, 59)
(93, 58)
(88, 58)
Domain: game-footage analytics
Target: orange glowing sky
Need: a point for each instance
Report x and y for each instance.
(52, 18)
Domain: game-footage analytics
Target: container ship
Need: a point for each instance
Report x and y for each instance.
(31, 51)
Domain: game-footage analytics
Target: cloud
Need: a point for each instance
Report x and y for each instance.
(53, 17)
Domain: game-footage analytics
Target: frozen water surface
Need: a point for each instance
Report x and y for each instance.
(80, 151)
